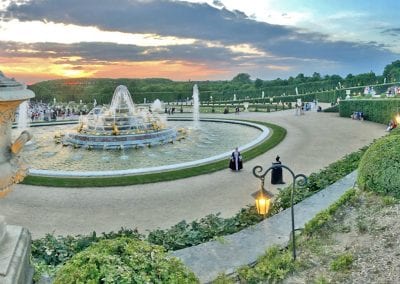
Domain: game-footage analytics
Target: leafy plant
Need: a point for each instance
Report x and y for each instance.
(342, 262)
(274, 266)
(223, 279)
(124, 260)
(185, 234)
(318, 181)
(321, 280)
(50, 252)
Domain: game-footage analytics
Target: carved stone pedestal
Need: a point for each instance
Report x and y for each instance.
(15, 246)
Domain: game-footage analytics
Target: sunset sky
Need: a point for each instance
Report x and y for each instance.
(196, 40)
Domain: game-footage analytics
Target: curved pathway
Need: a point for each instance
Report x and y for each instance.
(313, 141)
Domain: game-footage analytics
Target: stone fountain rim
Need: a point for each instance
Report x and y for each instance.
(19, 94)
(265, 134)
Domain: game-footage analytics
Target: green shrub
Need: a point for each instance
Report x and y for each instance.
(53, 250)
(124, 260)
(334, 108)
(379, 167)
(342, 262)
(272, 267)
(184, 234)
(223, 279)
(318, 181)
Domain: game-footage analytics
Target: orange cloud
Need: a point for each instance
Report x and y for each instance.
(31, 70)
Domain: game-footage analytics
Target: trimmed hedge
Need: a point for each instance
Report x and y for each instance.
(330, 96)
(124, 260)
(377, 110)
(379, 167)
(334, 108)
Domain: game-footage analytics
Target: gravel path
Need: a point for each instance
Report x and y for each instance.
(313, 141)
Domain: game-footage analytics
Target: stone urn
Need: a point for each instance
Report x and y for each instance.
(14, 240)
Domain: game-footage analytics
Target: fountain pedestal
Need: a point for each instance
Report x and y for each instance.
(15, 246)
(15, 241)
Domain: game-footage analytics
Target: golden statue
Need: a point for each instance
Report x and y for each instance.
(115, 130)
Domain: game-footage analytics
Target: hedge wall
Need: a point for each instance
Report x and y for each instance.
(377, 110)
(379, 167)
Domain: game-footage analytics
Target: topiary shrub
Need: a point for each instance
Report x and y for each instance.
(379, 167)
(124, 260)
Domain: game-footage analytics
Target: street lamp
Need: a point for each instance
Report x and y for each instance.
(263, 198)
(397, 117)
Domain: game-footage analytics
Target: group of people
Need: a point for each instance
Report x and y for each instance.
(38, 111)
(392, 125)
(358, 115)
(170, 110)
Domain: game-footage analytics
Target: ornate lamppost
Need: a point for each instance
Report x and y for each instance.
(263, 197)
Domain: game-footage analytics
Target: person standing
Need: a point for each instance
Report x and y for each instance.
(236, 163)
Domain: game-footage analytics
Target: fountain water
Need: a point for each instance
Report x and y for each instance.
(120, 126)
(156, 106)
(23, 119)
(234, 97)
(196, 105)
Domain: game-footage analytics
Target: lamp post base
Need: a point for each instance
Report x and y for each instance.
(15, 246)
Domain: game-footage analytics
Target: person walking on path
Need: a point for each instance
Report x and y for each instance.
(236, 163)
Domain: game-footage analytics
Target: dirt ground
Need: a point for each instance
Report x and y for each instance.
(367, 232)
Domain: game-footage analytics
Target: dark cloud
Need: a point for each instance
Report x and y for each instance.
(392, 32)
(162, 17)
(199, 21)
(97, 51)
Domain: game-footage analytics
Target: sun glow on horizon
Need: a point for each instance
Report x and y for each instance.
(39, 69)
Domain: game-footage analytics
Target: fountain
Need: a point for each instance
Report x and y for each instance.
(23, 119)
(14, 240)
(196, 105)
(156, 106)
(120, 126)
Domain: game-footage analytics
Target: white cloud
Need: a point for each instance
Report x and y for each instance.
(5, 3)
(37, 31)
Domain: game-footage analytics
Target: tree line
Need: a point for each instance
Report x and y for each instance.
(101, 89)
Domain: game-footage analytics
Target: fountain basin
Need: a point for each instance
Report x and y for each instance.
(213, 148)
(121, 141)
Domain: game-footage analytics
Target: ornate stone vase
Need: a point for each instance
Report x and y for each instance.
(14, 240)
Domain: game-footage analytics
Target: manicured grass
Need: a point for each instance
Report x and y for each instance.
(277, 135)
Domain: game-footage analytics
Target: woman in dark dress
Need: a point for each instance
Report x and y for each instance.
(236, 163)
